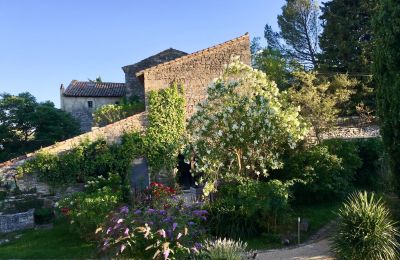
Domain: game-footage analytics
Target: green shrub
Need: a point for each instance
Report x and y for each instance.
(111, 113)
(372, 174)
(365, 230)
(245, 209)
(324, 172)
(87, 211)
(43, 215)
(224, 249)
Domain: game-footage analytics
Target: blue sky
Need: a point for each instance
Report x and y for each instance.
(44, 43)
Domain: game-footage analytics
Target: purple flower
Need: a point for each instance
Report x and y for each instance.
(150, 211)
(151, 223)
(162, 212)
(167, 219)
(174, 226)
(124, 209)
(126, 233)
(191, 223)
(108, 230)
(137, 212)
(198, 245)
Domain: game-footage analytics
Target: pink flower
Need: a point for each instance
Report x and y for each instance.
(162, 233)
(126, 233)
(166, 253)
(120, 220)
(178, 236)
(122, 248)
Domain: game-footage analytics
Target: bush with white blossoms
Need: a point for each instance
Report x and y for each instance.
(243, 127)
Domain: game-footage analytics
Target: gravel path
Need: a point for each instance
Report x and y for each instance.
(315, 251)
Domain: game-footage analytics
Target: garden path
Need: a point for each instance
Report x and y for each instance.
(316, 251)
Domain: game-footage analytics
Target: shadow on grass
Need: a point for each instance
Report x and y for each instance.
(58, 242)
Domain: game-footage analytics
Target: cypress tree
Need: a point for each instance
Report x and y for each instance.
(387, 76)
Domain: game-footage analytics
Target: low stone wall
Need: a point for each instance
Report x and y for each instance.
(18, 221)
(111, 133)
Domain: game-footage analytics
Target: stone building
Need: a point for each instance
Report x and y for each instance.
(193, 71)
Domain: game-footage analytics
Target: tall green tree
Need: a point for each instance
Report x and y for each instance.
(300, 26)
(387, 76)
(347, 44)
(25, 124)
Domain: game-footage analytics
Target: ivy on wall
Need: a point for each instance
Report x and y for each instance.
(166, 127)
(160, 144)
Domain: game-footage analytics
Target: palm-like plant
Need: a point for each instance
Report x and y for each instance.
(365, 230)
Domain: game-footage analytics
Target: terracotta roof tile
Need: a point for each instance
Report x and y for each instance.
(95, 89)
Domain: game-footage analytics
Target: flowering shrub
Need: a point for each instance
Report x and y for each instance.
(159, 196)
(154, 233)
(224, 249)
(87, 211)
(243, 127)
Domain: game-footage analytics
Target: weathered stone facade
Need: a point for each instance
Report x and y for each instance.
(135, 84)
(197, 70)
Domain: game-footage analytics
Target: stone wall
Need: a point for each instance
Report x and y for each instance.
(111, 133)
(196, 71)
(18, 221)
(78, 107)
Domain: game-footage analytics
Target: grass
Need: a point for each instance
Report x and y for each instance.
(317, 215)
(57, 242)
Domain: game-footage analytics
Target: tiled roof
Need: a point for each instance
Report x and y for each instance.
(194, 54)
(95, 89)
(161, 57)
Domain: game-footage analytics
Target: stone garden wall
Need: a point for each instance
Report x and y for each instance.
(18, 221)
(111, 133)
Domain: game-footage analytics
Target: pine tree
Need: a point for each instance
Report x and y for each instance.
(387, 76)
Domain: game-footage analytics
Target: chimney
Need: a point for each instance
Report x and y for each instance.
(62, 90)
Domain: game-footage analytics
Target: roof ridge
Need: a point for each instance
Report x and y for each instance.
(154, 55)
(193, 54)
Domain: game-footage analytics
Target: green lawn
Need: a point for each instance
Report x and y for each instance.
(317, 215)
(58, 242)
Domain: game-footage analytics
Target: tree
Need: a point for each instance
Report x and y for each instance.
(243, 127)
(26, 124)
(52, 124)
(320, 98)
(387, 76)
(347, 43)
(299, 26)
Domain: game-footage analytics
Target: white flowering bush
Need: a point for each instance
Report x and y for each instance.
(243, 127)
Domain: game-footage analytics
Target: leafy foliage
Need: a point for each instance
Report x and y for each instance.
(323, 172)
(87, 211)
(26, 124)
(320, 99)
(166, 127)
(365, 230)
(111, 113)
(347, 44)
(243, 127)
(386, 72)
(248, 208)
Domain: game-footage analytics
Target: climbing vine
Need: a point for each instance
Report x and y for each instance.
(160, 144)
(166, 127)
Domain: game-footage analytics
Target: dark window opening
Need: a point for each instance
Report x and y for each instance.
(90, 104)
(117, 102)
